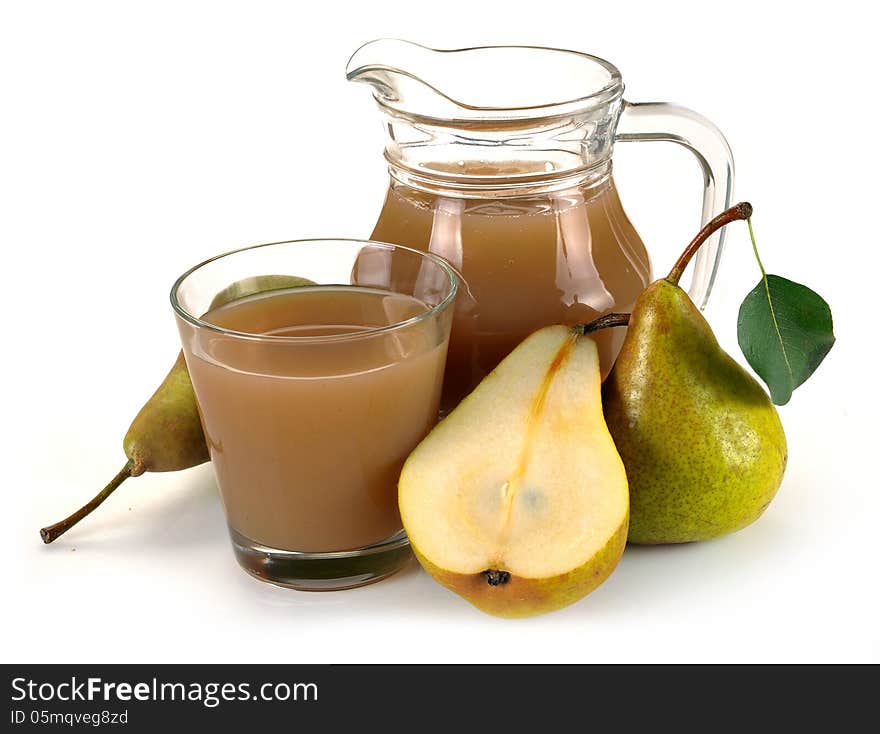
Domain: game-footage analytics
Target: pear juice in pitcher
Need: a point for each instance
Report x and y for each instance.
(559, 257)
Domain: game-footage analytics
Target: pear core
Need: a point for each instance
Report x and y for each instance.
(522, 478)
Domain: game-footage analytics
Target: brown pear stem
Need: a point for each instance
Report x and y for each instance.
(603, 322)
(743, 210)
(52, 532)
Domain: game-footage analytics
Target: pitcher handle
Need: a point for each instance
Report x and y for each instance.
(661, 121)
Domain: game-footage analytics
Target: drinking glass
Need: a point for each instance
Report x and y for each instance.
(311, 397)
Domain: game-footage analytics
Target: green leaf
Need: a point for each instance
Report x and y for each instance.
(784, 330)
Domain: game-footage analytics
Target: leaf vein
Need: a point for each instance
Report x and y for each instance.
(770, 301)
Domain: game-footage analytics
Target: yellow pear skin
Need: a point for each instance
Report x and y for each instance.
(522, 597)
(517, 501)
(703, 445)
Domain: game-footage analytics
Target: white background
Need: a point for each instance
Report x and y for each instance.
(140, 138)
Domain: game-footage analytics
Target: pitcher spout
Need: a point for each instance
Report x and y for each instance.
(483, 83)
(505, 116)
(400, 73)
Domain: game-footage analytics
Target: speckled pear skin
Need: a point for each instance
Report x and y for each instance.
(166, 435)
(702, 444)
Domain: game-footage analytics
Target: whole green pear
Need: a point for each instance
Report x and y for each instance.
(165, 435)
(702, 444)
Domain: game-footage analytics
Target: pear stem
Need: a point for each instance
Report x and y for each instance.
(603, 322)
(743, 210)
(52, 532)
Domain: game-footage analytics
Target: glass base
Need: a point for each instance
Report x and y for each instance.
(322, 571)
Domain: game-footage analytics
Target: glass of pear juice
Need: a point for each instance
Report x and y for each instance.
(317, 366)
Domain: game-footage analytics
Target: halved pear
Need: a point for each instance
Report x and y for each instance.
(518, 500)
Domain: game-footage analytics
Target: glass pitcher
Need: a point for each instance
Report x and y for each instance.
(500, 162)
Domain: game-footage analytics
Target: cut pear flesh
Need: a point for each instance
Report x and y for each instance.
(521, 483)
